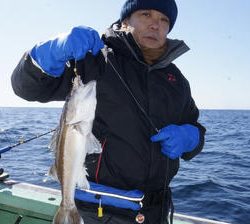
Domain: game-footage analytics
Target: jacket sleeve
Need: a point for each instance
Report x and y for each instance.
(31, 83)
(191, 116)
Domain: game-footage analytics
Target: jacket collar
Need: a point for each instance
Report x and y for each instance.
(126, 44)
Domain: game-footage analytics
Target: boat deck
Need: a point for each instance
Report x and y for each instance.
(25, 203)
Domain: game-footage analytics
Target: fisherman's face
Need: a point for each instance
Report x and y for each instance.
(148, 27)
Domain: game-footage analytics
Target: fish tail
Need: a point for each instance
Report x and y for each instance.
(65, 216)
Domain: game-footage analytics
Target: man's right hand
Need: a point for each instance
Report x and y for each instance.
(52, 55)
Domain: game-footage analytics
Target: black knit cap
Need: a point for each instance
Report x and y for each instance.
(167, 7)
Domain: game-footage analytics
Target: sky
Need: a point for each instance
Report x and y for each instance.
(217, 32)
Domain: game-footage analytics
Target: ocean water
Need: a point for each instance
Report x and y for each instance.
(214, 185)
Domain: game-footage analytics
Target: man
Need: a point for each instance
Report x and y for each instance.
(146, 118)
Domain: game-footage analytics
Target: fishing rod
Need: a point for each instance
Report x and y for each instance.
(7, 148)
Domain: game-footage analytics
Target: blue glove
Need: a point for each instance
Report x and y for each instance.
(176, 140)
(52, 55)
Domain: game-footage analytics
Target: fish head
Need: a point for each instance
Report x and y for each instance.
(81, 106)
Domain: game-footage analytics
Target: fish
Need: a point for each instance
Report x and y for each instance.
(71, 142)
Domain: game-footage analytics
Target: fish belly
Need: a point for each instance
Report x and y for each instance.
(74, 172)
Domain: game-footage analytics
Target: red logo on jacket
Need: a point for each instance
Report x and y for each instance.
(171, 77)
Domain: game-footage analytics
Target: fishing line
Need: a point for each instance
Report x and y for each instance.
(130, 92)
(8, 148)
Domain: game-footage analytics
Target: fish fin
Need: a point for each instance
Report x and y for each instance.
(53, 173)
(46, 177)
(53, 141)
(82, 181)
(83, 127)
(93, 145)
(67, 215)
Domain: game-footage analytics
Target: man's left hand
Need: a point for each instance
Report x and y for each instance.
(177, 139)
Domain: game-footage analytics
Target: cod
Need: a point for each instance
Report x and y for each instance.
(72, 140)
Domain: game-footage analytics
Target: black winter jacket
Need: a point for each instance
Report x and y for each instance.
(129, 159)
